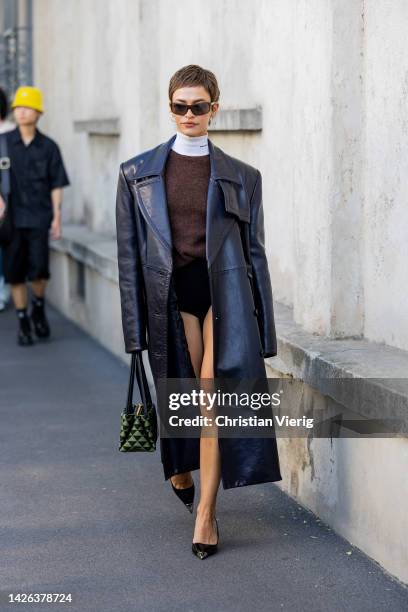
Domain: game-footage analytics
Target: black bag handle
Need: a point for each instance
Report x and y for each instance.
(142, 380)
(4, 168)
(137, 366)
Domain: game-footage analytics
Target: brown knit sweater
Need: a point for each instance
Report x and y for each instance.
(187, 179)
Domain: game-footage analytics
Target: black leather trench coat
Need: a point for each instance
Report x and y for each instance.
(241, 294)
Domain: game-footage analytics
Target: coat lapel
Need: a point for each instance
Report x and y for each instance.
(226, 196)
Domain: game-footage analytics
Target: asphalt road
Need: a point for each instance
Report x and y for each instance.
(79, 517)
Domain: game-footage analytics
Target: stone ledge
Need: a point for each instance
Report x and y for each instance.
(318, 361)
(237, 120)
(94, 250)
(100, 127)
(381, 370)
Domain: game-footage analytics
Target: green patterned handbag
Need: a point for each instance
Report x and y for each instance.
(138, 430)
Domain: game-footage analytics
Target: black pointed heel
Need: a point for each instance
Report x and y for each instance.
(202, 551)
(185, 495)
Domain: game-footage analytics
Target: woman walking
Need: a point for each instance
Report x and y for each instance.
(195, 287)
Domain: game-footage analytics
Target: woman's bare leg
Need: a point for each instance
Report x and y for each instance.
(210, 466)
(195, 346)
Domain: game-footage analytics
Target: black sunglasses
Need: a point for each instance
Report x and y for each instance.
(199, 108)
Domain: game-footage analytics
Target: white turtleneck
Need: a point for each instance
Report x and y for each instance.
(190, 145)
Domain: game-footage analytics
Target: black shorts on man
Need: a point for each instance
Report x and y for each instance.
(26, 257)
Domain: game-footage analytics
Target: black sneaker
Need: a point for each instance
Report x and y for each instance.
(39, 320)
(24, 337)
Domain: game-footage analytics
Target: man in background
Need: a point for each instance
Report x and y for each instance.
(37, 177)
(5, 126)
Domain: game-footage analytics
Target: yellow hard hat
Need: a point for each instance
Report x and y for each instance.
(30, 97)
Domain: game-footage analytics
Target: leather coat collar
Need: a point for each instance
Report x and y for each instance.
(154, 161)
(227, 196)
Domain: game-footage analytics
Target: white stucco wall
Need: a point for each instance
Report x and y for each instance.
(332, 79)
(385, 180)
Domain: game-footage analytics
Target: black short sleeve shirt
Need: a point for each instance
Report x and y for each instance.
(36, 169)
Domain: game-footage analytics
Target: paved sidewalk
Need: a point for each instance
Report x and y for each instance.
(78, 516)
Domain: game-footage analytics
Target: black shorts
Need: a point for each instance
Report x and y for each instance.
(26, 257)
(192, 287)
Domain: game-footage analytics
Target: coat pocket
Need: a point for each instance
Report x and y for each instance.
(146, 180)
(235, 199)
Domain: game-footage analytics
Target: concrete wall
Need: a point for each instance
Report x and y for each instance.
(385, 252)
(94, 74)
